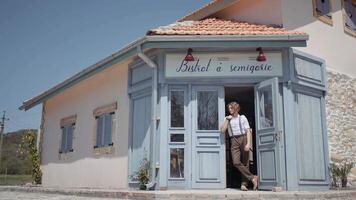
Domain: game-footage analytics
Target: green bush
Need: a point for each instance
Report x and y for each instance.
(12, 162)
(142, 174)
(29, 144)
(339, 172)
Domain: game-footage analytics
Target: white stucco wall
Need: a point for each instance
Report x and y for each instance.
(254, 11)
(328, 42)
(84, 168)
(325, 41)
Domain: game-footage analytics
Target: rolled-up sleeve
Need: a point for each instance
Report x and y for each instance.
(245, 123)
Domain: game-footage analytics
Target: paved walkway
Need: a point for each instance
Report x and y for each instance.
(40, 193)
(16, 195)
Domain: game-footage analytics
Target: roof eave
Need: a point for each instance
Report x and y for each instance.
(116, 57)
(167, 42)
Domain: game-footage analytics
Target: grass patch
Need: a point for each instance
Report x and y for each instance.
(15, 179)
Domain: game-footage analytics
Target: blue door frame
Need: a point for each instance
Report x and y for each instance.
(303, 84)
(204, 150)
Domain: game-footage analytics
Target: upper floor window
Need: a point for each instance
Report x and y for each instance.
(105, 117)
(67, 127)
(322, 10)
(349, 13)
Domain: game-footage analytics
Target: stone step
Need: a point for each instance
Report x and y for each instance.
(189, 194)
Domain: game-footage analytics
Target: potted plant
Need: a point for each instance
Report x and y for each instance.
(340, 171)
(334, 175)
(344, 170)
(142, 174)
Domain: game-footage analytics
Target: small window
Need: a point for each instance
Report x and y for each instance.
(177, 137)
(177, 108)
(208, 110)
(177, 163)
(67, 139)
(322, 11)
(104, 130)
(67, 126)
(104, 117)
(349, 13)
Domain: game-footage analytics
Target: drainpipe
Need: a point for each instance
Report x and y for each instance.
(153, 65)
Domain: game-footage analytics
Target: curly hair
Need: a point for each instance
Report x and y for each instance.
(234, 104)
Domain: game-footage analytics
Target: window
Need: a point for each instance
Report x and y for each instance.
(177, 133)
(176, 163)
(349, 13)
(265, 106)
(67, 139)
(322, 11)
(104, 128)
(208, 110)
(177, 108)
(67, 126)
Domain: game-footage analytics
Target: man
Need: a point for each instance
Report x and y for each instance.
(240, 143)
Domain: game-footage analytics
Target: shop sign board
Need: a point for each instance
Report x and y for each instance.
(223, 65)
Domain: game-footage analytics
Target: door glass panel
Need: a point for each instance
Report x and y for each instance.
(208, 110)
(177, 163)
(265, 107)
(177, 108)
(177, 137)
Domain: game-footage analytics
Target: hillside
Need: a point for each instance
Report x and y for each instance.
(12, 162)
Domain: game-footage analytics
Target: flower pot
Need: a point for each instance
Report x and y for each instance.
(343, 182)
(142, 187)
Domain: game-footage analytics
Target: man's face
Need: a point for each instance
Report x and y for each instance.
(231, 109)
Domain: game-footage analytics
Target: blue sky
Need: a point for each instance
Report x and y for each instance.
(43, 42)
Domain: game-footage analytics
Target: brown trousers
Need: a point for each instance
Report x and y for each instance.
(240, 157)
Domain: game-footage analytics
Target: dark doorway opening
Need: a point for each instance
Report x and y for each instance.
(246, 98)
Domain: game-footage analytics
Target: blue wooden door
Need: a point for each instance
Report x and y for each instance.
(268, 133)
(139, 141)
(208, 155)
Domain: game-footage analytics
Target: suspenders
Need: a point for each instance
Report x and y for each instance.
(229, 128)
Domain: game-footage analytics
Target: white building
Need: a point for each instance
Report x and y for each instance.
(99, 124)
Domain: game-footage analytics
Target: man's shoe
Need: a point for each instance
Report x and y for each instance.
(255, 182)
(244, 188)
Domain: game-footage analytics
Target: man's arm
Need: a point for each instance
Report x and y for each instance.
(249, 139)
(223, 127)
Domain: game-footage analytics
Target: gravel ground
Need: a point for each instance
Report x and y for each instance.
(7, 195)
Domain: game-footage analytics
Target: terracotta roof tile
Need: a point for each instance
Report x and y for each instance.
(213, 26)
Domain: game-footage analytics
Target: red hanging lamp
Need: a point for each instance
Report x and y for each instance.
(261, 56)
(189, 56)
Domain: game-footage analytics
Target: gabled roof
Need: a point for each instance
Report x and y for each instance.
(167, 42)
(209, 33)
(213, 26)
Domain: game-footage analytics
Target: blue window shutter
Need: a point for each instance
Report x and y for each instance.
(353, 18)
(350, 10)
(319, 6)
(322, 7)
(326, 7)
(108, 129)
(63, 140)
(99, 131)
(69, 138)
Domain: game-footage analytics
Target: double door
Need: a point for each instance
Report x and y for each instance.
(197, 147)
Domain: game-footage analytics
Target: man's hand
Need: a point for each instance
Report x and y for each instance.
(247, 147)
(228, 117)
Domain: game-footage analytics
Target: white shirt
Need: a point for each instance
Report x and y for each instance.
(235, 125)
